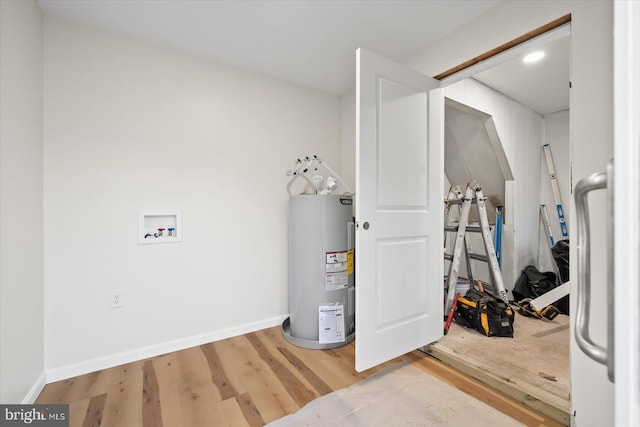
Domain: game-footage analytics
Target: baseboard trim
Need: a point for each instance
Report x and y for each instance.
(97, 364)
(35, 389)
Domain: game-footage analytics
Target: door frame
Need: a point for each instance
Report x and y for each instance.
(627, 212)
(537, 38)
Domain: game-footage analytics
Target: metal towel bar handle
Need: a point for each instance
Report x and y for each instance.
(600, 354)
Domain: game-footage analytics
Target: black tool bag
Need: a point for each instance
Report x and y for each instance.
(485, 313)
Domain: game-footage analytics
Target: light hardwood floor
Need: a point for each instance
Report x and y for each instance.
(247, 380)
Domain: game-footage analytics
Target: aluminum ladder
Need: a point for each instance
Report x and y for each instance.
(472, 196)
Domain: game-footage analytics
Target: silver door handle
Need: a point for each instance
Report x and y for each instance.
(596, 352)
(610, 276)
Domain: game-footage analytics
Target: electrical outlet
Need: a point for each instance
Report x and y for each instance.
(116, 299)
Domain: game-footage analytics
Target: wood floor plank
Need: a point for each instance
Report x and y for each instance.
(296, 388)
(332, 374)
(218, 374)
(228, 357)
(198, 397)
(92, 414)
(124, 401)
(68, 390)
(151, 409)
(171, 411)
(112, 378)
(78, 412)
(273, 349)
(263, 388)
(233, 415)
(225, 350)
(320, 386)
(250, 411)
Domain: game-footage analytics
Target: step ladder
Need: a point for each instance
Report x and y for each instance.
(472, 196)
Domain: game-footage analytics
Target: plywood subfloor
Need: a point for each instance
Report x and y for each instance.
(532, 367)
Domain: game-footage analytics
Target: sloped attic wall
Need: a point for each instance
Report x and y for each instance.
(473, 151)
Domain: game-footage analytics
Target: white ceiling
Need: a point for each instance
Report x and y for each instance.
(313, 43)
(542, 86)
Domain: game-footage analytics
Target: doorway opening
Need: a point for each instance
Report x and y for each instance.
(528, 107)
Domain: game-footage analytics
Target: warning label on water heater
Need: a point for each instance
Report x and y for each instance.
(331, 324)
(336, 270)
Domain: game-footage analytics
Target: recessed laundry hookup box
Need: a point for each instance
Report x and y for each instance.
(162, 226)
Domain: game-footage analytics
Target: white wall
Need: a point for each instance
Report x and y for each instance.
(348, 121)
(557, 136)
(21, 235)
(591, 135)
(520, 131)
(129, 126)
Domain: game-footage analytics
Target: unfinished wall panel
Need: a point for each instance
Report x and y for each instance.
(520, 131)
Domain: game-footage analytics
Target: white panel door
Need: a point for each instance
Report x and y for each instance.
(399, 210)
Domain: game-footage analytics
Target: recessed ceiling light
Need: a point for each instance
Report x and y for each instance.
(534, 57)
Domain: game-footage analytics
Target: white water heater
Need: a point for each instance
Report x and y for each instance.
(321, 271)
